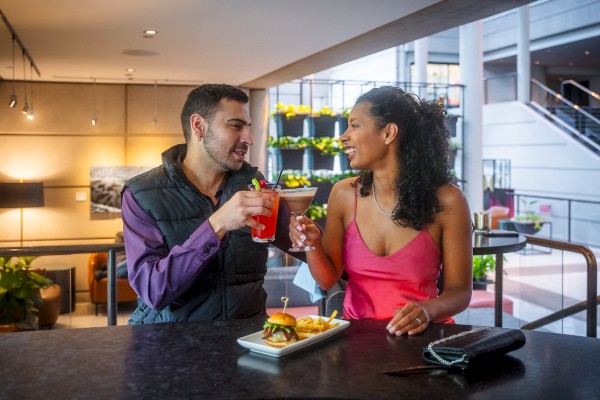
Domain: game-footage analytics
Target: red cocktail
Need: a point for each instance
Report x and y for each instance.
(268, 234)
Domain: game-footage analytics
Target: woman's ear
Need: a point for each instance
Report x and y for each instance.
(391, 132)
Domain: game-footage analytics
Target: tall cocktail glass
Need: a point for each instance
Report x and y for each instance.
(267, 234)
(298, 200)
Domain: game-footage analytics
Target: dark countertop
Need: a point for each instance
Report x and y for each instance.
(203, 360)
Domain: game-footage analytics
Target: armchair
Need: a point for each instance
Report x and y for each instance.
(99, 287)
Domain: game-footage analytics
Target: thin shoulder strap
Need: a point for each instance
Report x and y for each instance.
(355, 200)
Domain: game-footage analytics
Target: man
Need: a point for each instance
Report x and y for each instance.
(187, 222)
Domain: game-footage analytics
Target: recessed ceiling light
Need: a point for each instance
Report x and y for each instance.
(130, 69)
(150, 32)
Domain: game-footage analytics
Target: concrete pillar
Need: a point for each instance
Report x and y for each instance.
(421, 57)
(471, 72)
(523, 56)
(402, 67)
(259, 115)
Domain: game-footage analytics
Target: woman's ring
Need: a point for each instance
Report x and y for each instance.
(420, 322)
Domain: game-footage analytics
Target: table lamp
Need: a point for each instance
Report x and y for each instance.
(21, 195)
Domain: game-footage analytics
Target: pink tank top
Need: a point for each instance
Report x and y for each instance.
(377, 285)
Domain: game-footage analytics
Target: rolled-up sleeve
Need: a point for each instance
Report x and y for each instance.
(160, 276)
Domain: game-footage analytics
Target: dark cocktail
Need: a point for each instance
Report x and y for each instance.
(298, 200)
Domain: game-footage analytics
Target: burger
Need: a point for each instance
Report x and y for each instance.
(280, 330)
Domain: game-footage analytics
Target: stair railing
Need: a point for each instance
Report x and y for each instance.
(579, 86)
(590, 305)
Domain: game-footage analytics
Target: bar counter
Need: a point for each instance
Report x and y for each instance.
(204, 360)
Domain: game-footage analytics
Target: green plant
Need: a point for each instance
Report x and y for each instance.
(530, 215)
(288, 142)
(19, 289)
(482, 265)
(327, 145)
(291, 110)
(316, 211)
(324, 111)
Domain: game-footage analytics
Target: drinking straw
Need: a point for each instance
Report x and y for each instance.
(279, 176)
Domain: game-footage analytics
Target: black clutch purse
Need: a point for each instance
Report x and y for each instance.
(473, 347)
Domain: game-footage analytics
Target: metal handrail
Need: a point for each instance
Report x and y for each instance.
(567, 102)
(578, 86)
(110, 249)
(592, 299)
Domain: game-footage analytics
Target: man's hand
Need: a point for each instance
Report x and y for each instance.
(237, 212)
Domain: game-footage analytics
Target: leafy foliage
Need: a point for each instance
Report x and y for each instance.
(19, 289)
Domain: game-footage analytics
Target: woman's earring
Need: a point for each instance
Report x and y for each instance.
(387, 142)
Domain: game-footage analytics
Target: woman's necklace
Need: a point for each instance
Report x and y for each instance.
(388, 214)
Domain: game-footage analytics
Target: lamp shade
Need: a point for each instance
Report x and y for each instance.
(21, 195)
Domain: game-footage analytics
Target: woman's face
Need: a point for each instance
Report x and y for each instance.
(363, 141)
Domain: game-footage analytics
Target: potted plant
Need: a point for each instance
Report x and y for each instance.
(454, 147)
(322, 123)
(19, 293)
(291, 150)
(481, 266)
(324, 151)
(529, 222)
(451, 121)
(289, 119)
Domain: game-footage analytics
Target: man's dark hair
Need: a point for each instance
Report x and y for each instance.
(204, 100)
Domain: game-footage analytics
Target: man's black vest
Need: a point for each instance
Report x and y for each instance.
(230, 285)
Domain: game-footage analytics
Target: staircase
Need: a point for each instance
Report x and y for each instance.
(581, 122)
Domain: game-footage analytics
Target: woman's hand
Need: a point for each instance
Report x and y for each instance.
(413, 318)
(303, 231)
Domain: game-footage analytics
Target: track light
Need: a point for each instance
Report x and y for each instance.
(95, 118)
(13, 97)
(26, 106)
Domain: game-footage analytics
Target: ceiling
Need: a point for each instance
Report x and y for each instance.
(253, 43)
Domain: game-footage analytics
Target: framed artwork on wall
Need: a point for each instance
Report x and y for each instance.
(105, 189)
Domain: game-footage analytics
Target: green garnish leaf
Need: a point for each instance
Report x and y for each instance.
(256, 184)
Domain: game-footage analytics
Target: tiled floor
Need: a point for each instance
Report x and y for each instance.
(538, 284)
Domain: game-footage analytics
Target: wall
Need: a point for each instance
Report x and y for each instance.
(60, 145)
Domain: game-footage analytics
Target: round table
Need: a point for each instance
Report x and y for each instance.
(498, 243)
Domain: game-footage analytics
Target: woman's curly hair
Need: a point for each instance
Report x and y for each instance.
(424, 145)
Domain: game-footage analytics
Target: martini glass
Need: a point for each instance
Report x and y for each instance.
(298, 200)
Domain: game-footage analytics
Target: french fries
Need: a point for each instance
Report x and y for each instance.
(307, 326)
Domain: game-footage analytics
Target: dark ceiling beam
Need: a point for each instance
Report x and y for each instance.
(428, 21)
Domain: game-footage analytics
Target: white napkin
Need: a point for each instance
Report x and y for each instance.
(304, 280)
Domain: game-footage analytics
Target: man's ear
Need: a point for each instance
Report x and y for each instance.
(198, 125)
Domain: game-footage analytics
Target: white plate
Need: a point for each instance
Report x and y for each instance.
(254, 341)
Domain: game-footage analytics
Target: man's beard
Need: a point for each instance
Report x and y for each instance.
(211, 146)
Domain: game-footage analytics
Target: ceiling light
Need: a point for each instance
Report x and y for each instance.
(95, 117)
(26, 106)
(30, 114)
(130, 69)
(150, 32)
(13, 97)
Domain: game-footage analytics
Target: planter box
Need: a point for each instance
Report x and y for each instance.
(322, 126)
(342, 124)
(452, 157)
(292, 126)
(322, 161)
(291, 158)
(323, 191)
(451, 121)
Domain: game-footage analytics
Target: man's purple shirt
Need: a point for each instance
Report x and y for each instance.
(157, 275)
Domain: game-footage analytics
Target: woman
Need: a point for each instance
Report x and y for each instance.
(395, 225)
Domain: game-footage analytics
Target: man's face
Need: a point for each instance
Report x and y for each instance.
(228, 136)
